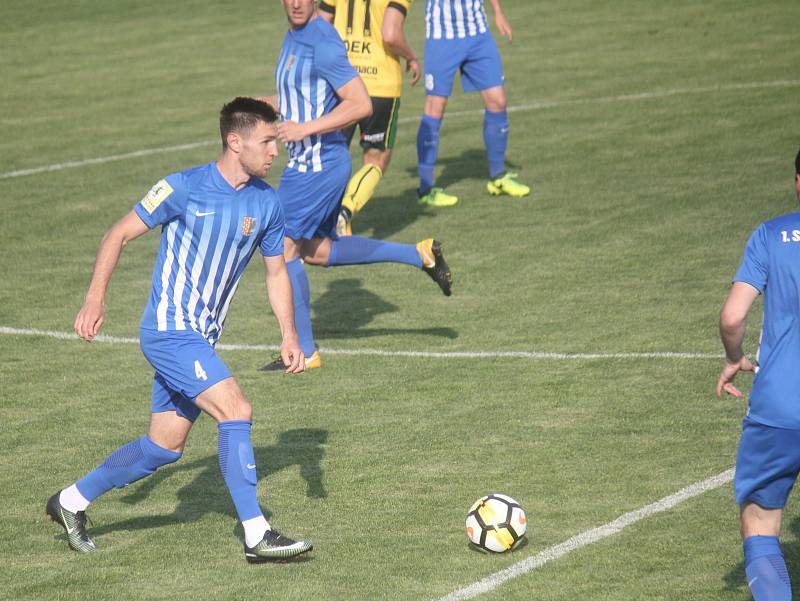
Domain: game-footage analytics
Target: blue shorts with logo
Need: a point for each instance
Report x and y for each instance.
(185, 365)
(477, 58)
(767, 464)
(311, 200)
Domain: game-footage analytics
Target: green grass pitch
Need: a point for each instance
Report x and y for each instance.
(656, 135)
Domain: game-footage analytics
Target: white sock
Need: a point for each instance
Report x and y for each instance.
(72, 500)
(254, 530)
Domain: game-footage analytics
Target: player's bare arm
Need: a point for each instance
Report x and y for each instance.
(355, 105)
(503, 26)
(732, 325)
(91, 316)
(394, 37)
(279, 290)
(271, 100)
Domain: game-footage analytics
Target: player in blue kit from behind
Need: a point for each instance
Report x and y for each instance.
(457, 38)
(319, 93)
(213, 219)
(768, 460)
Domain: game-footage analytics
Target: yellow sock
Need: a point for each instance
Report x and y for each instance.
(361, 187)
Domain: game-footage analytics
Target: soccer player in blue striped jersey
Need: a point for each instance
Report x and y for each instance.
(457, 38)
(768, 459)
(213, 219)
(319, 92)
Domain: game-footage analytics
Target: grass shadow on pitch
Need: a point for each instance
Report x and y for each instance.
(345, 310)
(471, 164)
(207, 493)
(736, 580)
(384, 216)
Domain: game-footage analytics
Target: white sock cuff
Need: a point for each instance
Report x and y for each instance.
(254, 530)
(72, 500)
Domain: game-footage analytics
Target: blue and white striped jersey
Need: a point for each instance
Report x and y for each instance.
(209, 232)
(452, 19)
(312, 65)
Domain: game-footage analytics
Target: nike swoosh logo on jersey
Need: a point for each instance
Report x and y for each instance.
(250, 466)
(200, 214)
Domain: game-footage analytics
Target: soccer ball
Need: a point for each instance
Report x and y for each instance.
(496, 523)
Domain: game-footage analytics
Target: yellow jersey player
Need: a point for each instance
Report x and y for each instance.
(372, 31)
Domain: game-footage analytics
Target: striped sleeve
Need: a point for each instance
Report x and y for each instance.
(330, 59)
(165, 200)
(272, 241)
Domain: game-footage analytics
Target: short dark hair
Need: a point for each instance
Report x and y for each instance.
(242, 114)
(797, 163)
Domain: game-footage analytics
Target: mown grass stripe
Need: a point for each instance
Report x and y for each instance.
(383, 353)
(534, 106)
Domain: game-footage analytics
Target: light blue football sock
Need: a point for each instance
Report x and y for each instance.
(495, 137)
(358, 250)
(238, 466)
(427, 151)
(302, 305)
(765, 569)
(129, 463)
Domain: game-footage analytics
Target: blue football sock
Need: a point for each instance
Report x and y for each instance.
(358, 250)
(495, 136)
(129, 463)
(427, 150)
(238, 465)
(765, 568)
(302, 306)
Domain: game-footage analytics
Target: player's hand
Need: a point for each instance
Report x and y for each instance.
(412, 66)
(89, 319)
(503, 26)
(292, 355)
(291, 131)
(729, 372)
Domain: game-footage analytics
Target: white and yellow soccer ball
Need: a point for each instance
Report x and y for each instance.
(496, 523)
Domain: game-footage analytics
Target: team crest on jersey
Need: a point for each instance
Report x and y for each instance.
(248, 225)
(157, 194)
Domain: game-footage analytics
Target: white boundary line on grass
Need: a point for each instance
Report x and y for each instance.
(377, 352)
(588, 537)
(535, 106)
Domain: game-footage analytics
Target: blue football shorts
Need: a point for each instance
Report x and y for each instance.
(185, 365)
(477, 58)
(311, 201)
(767, 464)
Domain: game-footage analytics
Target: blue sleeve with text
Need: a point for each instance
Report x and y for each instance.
(753, 269)
(165, 200)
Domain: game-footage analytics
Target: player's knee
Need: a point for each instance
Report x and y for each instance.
(497, 104)
(238, 408)
(434, 106)
(316, 251)
(495, 99)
